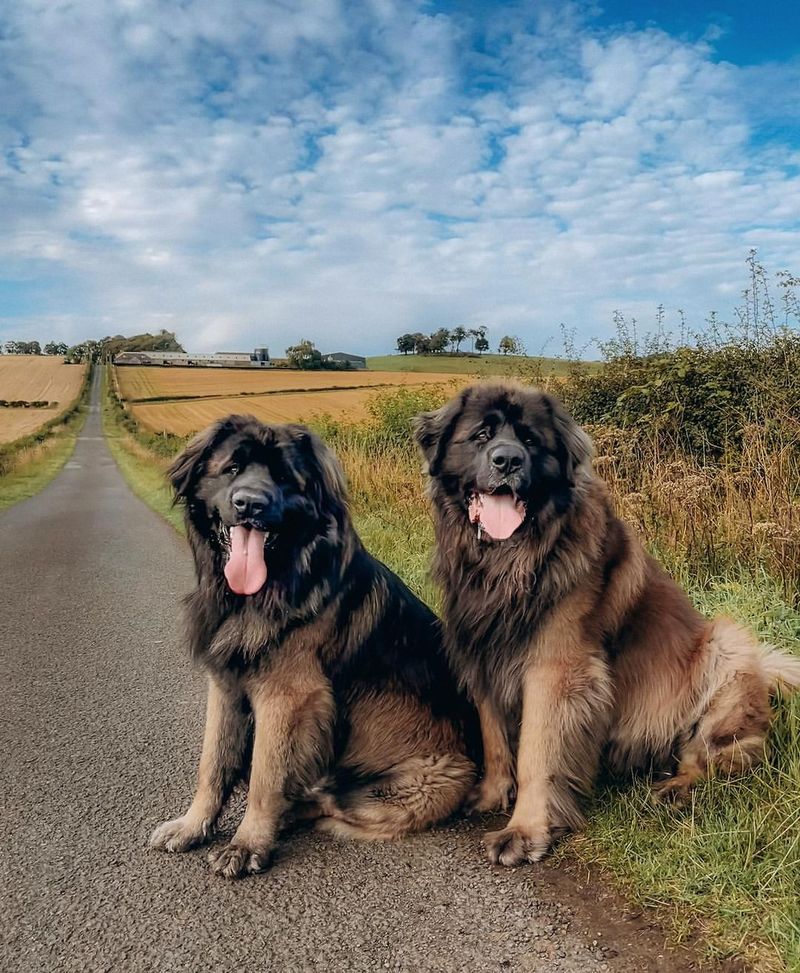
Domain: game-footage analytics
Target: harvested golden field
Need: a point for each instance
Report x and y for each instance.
(34, 378)
(150, 382)
(15, 423)
(191, 415)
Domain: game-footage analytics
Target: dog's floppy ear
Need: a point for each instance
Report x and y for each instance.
(426, 428)
(329, 473)
(189, 465)
(576, 442)
(434, 430)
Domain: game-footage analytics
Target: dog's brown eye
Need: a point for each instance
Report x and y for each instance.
(482, 436)
(231, 470)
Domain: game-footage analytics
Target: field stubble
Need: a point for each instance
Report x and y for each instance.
(35, 378)
(183, 401)
(154, 382)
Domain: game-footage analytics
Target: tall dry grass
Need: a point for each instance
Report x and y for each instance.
(741, 511)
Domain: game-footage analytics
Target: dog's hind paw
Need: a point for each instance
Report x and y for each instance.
(516, 845)
(236, 861)
(491, 794)
(181, 834)
(675, 790)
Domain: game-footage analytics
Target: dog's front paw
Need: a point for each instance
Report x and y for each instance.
(515, 845)
(181, 834)
(491, 794)
(236, 861)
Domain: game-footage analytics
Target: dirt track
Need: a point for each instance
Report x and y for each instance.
(100, 722)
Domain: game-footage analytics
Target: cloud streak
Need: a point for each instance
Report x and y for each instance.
(348, 171)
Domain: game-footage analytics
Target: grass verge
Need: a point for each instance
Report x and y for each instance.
(28, 464)
(142, 468)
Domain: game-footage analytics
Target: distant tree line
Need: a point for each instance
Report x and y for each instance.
(96, 350)
(445, 341)
(34, 348)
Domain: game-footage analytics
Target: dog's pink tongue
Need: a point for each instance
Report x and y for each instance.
(498, 514)
(246, 570)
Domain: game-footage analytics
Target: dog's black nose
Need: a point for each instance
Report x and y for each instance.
(249, 504)
(506, 457)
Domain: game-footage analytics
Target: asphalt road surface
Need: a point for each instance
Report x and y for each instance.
(100, 728)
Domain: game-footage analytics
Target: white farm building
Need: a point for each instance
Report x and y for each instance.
(258, 358)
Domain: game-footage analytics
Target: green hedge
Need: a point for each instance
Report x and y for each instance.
(701, 399)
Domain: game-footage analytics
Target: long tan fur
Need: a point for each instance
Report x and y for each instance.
(573, 641)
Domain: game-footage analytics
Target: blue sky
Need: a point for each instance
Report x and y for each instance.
(255, 172)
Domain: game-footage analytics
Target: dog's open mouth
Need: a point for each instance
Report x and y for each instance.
(245, 565)
(498, 513)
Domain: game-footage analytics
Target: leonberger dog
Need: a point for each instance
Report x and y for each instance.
(573, 642)
(327, 680)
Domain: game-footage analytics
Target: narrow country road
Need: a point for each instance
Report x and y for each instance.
(100, 727)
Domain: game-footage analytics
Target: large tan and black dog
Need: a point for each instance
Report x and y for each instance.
(573, 642)
(325, 674)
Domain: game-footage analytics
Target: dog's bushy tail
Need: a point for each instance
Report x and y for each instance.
(782, 670)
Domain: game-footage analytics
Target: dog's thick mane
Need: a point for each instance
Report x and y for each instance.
(225, 628)
(222, 625)
(498, 594)
(326, 591)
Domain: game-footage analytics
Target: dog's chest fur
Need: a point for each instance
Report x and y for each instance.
(497, 596)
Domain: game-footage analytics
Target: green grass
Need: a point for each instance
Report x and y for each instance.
(143, 470)
(30, 463)
(462, 364)
(34, 473)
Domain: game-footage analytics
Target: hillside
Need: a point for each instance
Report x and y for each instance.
(466, 364)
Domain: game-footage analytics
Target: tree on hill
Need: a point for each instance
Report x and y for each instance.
(405, 343)
(481, 344)
(439, 340)
(511, 345)
(457, 335)
(476, 334)
(86, 351)
(304, 355)
(161, 341)
(55, 348)
(422, 344)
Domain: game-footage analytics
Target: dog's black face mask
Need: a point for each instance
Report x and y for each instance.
(501, 454)
(259, 494)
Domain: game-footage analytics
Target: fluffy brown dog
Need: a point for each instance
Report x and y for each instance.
(573, 641)
(327, 683)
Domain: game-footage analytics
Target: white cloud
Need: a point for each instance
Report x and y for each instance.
(251, 173)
